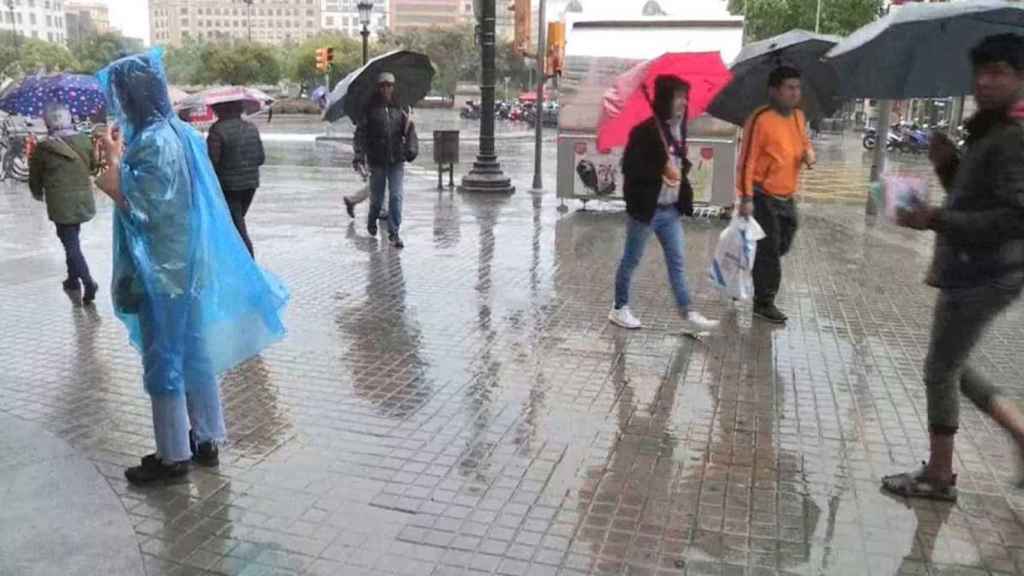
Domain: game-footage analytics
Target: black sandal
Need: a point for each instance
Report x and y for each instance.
(916, 484)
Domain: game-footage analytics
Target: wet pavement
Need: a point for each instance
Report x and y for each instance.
(463, 406)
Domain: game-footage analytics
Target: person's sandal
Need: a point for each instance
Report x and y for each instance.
(917, 485)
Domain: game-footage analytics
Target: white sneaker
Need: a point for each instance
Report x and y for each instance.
(624, 317)
(699, 322)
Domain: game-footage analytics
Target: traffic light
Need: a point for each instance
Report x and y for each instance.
(523, 19)
(556, 48)
(324, 58)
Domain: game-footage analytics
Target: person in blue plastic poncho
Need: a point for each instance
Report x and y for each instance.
(193, 300)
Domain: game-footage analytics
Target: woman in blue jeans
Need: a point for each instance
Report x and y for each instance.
(658, 194)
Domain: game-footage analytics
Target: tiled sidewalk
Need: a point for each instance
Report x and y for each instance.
(463, 406)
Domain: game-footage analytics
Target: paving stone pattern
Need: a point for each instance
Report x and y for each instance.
(464, 407)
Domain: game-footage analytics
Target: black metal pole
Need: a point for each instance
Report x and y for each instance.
(486, 175)
(366, 44)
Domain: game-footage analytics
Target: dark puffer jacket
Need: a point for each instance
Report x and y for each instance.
(386, 137)
(980, 229)
(236, 152)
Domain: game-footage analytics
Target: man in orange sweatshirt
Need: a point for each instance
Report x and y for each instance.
(775, 147)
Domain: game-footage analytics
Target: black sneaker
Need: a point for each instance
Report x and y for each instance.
(206, 454)
(396, 240)
(770, 313)
(371, 227)
(350, 207)
(90, 293)
(71, 285)
(153, 470)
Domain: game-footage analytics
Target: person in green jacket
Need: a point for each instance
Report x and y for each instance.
(59, 172)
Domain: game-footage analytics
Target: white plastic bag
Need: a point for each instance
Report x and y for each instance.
(732, 268)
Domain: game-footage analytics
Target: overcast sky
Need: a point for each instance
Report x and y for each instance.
(131, 17)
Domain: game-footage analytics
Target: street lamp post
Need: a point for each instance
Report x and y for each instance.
(248, 17)
(486, 175)
(365, 14)
(538, 149)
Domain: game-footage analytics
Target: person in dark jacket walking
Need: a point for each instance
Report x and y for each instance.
(658, 193)
(60, 171)
(236, 152)
(385, 140)
(979, 259)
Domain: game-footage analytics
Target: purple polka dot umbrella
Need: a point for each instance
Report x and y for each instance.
(30, 97)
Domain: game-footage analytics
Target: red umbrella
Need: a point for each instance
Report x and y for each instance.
(626, 104)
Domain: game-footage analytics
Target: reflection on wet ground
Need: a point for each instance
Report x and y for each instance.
(463, 407)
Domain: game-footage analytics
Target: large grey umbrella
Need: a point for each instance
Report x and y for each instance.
(921, 50)
(797, 48)
(414, 74)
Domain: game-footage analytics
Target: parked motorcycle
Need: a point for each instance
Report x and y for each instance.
(871, 139)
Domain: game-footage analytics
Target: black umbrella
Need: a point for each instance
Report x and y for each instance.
(414, 74)
(921, 50)
(800, 49)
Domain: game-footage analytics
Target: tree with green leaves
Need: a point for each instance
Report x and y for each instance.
(97, 51)
(35, 55)
(348, 56)
(240, 64)
(185, 64)
(767, 18)
(453, 50)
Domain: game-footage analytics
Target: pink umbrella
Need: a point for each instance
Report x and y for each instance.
(627, 103)
(253, 100)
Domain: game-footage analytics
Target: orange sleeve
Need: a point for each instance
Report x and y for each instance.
(748, 156)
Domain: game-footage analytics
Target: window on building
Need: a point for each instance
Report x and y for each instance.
(49, 21)
(32, 18)
(329, 21)
(49, 36)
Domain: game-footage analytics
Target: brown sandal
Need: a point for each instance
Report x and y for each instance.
(916, 484)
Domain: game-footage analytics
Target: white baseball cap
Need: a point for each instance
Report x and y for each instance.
(386, 78)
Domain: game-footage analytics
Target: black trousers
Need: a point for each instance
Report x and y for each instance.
(78, 268)
(778, 217)
(239, 202)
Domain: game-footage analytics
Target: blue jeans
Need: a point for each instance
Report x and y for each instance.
(388, 178)
(669, 230)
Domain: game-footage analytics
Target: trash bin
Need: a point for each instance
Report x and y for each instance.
(446, 154)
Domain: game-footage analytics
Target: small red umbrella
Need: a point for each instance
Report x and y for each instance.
(627, 103)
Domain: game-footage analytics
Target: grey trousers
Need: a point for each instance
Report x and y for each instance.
(961, 317)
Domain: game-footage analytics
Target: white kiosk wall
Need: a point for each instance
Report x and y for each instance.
(597, 52)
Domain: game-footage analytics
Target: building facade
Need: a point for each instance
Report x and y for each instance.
(94, 10)
(277, 22)
(343, 16)
(83, 20)
(406, 14)
(42, 19)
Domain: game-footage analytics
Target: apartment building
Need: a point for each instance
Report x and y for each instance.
(407, 14)
(276, 22)
(343, 16)
(43, 19)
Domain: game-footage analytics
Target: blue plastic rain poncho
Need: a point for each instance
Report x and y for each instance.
(184, 284)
